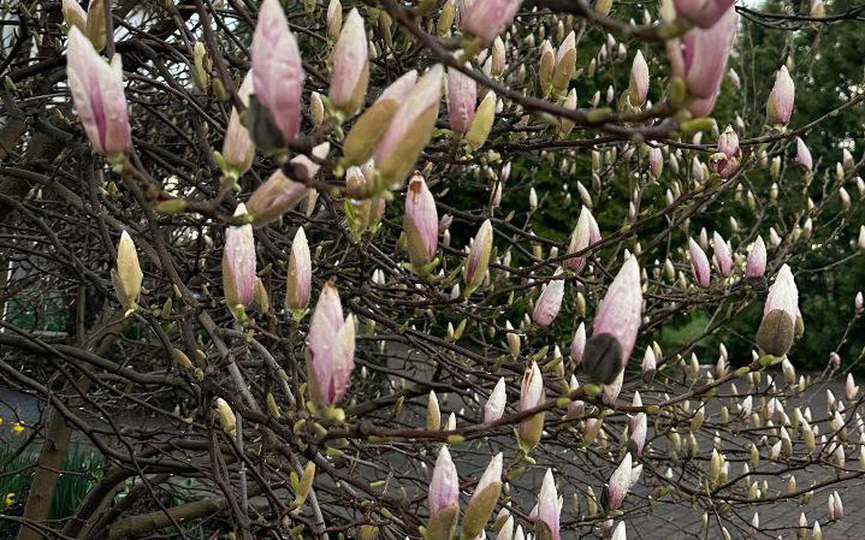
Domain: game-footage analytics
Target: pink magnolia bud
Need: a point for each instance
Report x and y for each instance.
(498, 57)
(410, 129)
(578, 344)
(735, 80)
(549, 303)
(700, 58)
(421, 223)
(531, 395)
(614, 330)
(703, 13)
(368, 129)
(548, 515)
(486, 19)
(756, 264)
(97, 90)
(656, 162)
(275, 197)
(723, 255)
(699, 263)
(299, 273)
(639, 85)
(726, 160)
(238, 263)
(779, 108)
(445, 223)
(803, 155)
(638, 428)
(850, 388)
(330, 348)
(584, 235)
(333, 18)
(444, 494)
(479, 258)
(495, 406)
(238, 149)
(780, 314)
(649, 365)
(620, 482)
(483, 499)
(277, 70)
(462, 97)
(857, 303)
(350, 66)
(612, 390)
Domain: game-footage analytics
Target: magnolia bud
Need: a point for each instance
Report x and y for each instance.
(482, 122)
(226, 417)
(299, 283)
(350, 66)
(478, 258)
(780, 105)
(483, 499)
(639, 83)
(277, 80)
(238, 150)
(333, 21)
(97, 90)
(127, 277)
(410, 128)
(531, 395)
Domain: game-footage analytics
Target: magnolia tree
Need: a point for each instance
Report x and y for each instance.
(380, 271)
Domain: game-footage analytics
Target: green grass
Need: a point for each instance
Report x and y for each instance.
(80, 471)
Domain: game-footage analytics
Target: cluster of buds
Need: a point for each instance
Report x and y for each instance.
(557, 67)
(725, 162)
(396, 128)
(363, 214)
(443, 498)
